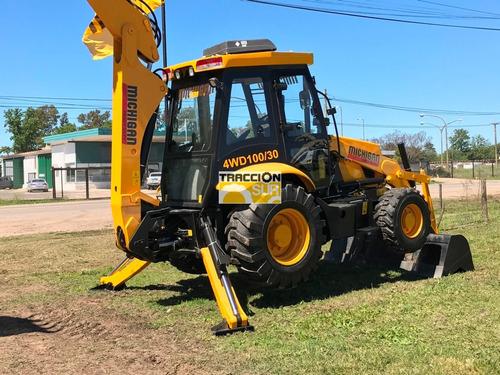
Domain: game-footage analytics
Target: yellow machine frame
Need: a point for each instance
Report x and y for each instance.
(137, 93)
(357, 154)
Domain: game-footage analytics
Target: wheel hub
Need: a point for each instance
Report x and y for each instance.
(288, 237)
(282, 235)
(412, 221)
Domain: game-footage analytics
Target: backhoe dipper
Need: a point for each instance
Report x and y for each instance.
(250, 176)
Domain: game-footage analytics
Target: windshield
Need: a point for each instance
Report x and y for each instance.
(192, 118)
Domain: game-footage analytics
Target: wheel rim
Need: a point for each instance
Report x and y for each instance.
(288, 237)
(412, 221)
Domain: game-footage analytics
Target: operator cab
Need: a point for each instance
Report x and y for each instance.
(240, 105)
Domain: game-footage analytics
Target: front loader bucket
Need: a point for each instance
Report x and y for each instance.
(441, 255)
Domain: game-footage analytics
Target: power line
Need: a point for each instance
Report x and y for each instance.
(44, 100)
(61, 103)
(409, 126)
(414, 109)
(455, 7)
(52, 98)
(409, 11)
(365, 16)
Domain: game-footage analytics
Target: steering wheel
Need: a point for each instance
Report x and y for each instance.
(187, 147)
(306, 137)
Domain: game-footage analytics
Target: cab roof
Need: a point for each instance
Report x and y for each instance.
(230, 54)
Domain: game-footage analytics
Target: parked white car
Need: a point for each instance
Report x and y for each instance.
(37, 184)
(154, 180)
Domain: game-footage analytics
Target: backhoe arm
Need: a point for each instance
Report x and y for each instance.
(137, 93)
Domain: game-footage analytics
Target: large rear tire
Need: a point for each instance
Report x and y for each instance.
(403, 217)
(277, 245)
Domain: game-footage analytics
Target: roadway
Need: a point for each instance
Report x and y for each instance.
(81, 215)
(69, 216)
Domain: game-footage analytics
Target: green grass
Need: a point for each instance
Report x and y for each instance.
(16, 201)
(347, 319)
(466, 211)
(480, 172)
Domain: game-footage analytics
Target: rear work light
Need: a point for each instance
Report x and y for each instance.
(213, 62)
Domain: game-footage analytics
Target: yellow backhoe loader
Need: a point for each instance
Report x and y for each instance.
(250, 176)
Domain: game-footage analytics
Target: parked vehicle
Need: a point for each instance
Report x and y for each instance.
(37, 184)
(153, 181)
(6, 183)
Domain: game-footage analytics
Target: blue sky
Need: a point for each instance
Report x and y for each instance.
(362, 60)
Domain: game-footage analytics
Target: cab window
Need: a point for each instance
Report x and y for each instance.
(192, 120)
(247, 119)
(305, 137)
(298, 107)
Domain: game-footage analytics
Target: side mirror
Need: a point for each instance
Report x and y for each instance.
(304, 98)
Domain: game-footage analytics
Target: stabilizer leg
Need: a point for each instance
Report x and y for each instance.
(125, 270)
(215, 261)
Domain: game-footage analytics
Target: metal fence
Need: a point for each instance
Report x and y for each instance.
(469, 169)
(81, 182)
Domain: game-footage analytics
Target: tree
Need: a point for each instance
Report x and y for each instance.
(30, 126)
(460, 144)
(418, 146)
(94, 119)
(48, 116)
(429, 151)
(32, 131)
(13, 123)
(26, 128)
(480, 148)
(5, 150)
(64, 125)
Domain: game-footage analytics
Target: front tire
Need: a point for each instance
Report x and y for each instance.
(403, 217)
(277, 245)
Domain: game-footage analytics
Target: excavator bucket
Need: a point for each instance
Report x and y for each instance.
(441, 255)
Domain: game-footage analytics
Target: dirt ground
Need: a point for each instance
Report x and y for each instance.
(79, 335)
(47, 340)
(48, 328)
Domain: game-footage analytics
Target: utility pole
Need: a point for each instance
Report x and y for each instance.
(363, 120)
(496, 146)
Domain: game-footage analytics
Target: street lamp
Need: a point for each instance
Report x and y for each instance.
(445, 131)
(441, 128)
(363, 120)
